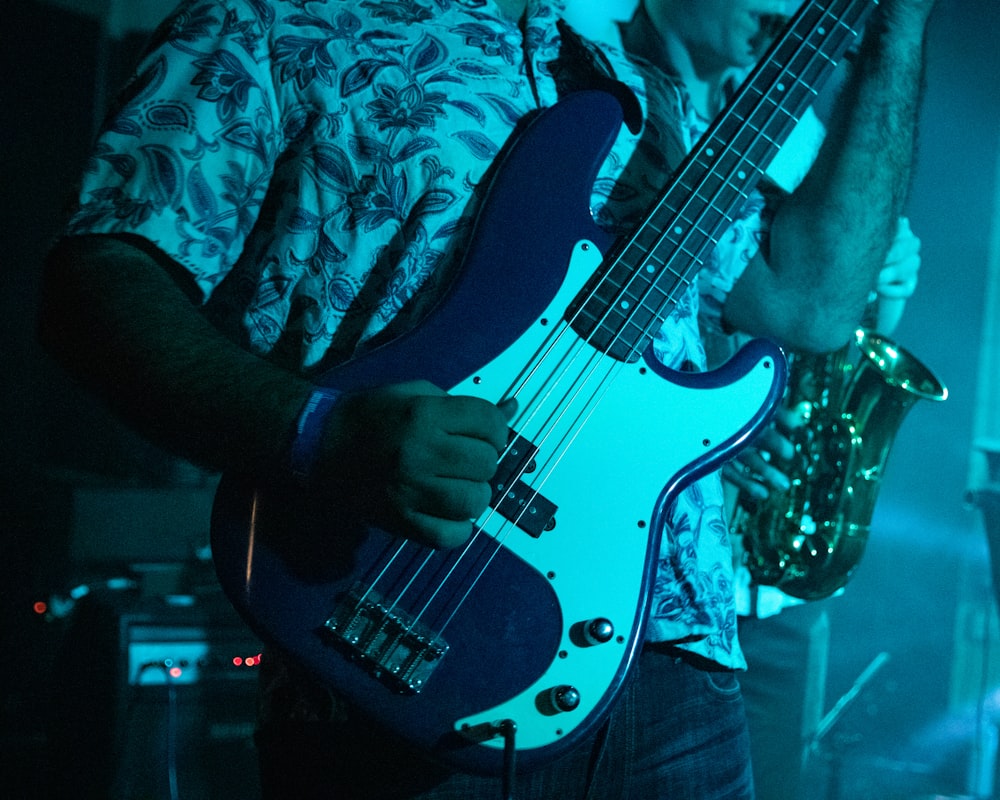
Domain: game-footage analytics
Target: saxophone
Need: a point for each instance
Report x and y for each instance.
(808, 541)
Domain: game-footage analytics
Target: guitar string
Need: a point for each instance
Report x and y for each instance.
(457, 556)
(624, 291)
(596, 356)
(691, 228)
(783, 70)
(539, 488)
(554, 461)
(510, 525)
(824, 13)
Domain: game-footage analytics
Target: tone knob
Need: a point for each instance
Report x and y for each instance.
(564, 698)
(598, 630)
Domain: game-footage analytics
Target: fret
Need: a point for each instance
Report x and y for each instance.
(621, 299)
(730, 168)
(687, 245)
(764, 122)
(656, 298)
(620, 329)
(635, 290)
(654, 270)
(587, 316)
(684, 227)
(713, 205)
(639, 286)
(611, 284)
(659, 276)
(668, 252)
(646, 235)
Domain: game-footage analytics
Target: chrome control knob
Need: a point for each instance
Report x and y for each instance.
(599, 630)
(564, 698)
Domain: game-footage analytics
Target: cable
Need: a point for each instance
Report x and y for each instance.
(508, 729)
(172, 737)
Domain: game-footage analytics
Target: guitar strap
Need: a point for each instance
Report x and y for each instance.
(582, 65)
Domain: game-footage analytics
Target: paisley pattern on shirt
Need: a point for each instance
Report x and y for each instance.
(315, 165)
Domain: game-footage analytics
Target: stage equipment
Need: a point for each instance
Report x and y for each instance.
(155, 698)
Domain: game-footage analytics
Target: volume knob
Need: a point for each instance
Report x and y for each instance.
(564, 698)
(599, 630)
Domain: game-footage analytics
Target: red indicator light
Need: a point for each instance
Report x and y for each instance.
(40, 607)
(176, 672)
(237, 661)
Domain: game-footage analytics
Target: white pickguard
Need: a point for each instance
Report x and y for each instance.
(604, 459)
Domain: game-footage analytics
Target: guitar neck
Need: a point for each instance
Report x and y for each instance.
(635, 290)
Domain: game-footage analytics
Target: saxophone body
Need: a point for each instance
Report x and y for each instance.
(845, 409)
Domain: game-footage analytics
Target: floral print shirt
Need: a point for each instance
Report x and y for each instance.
(313, 166)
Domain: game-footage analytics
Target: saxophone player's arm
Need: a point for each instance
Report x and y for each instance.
(829, 238)
(759, 470)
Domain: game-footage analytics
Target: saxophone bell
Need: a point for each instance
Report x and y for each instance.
(809, 540)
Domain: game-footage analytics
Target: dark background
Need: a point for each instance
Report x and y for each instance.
(83, 500)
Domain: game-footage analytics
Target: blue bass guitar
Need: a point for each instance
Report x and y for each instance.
(518, 642)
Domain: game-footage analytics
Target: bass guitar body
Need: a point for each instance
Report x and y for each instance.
(530, 629)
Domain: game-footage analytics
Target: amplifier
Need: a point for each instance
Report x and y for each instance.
(158, 653)
(156, 698)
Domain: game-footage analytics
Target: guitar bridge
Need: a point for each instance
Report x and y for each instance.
(392, 645)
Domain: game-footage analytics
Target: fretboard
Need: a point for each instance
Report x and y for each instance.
(648, 273)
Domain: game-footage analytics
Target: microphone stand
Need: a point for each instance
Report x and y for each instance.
(985, 770)
(987, 499)
(834, 754)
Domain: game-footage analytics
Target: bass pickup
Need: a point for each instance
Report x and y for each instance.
(514, 499)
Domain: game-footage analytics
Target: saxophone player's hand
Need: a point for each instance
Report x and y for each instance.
(898, 279)
(759, 469)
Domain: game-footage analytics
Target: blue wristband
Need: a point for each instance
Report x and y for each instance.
(309, 430)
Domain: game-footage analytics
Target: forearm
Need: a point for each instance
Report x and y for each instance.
(114, 317)
(410, 456)
(829, 239)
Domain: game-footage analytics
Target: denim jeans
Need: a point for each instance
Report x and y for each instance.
(678, 732)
